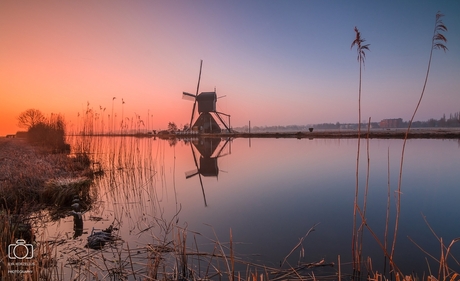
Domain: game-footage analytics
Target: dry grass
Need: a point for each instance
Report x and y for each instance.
(42, 265)
(27, 174)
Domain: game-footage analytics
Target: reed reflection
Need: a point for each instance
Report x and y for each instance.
(207, 166)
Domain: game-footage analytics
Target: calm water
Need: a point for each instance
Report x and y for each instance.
(270, 192)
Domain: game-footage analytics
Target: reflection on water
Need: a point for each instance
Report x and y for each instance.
(208, 166)
(270, 196)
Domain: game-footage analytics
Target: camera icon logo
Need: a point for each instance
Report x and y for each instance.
(20, 250)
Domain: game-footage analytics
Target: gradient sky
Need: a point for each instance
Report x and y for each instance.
(277, 62)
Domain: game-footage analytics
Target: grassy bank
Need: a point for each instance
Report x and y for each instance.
(34, 178)
(29, 173)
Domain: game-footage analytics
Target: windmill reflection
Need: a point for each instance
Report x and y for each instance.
(207, 165)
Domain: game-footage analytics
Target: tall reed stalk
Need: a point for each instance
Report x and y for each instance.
(437, 42)
(360, 48)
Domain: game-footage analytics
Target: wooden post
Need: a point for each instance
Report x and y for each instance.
(249, 133)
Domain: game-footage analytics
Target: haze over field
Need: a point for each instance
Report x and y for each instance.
(277, 63)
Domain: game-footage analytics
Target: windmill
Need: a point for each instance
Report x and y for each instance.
(205, 123)
(207, 164)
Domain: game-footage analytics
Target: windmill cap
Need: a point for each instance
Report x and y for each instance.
(206, 96)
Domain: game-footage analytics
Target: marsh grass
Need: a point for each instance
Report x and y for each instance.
(37, 180)
(31, 175)
(42, 266)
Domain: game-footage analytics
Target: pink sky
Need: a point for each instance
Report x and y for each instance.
(272, 61)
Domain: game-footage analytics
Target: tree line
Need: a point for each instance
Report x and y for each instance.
(46, 132)
(453, 121)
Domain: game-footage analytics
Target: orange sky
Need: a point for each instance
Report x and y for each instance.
(272, 61)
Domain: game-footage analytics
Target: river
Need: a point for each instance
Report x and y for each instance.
(258, 198)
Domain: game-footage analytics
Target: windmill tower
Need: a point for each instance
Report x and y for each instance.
(205, 123)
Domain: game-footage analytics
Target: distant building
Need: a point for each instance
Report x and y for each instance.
(391, 123)
(348, 126)
(21, 134)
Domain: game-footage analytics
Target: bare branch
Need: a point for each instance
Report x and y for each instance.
(30, 118)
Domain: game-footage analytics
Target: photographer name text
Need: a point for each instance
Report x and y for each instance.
(18, 271)
(21, 263)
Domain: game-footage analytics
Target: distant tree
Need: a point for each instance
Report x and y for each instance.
(30, 118)
(186, 127)
(50, 134)
(432, 122)
(172, 127)
(442, 122)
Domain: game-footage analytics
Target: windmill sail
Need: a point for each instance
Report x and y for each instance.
(197, 90)
(188, 96)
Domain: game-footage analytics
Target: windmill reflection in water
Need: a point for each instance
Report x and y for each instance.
(207, 166)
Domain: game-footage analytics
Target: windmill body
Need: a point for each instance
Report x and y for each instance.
(207, 102)
(206, 124)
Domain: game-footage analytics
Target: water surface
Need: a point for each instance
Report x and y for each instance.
(270, 192)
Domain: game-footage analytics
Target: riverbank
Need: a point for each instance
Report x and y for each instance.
(395, 133)
(28, 174)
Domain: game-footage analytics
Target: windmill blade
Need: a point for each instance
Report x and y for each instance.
(191, 173)
(202, 190)
(195, 171)
(188, 96)
(199, 78)
(194, 157)
(219, 154)
(193, 114)
(199, 175)
(197, 91)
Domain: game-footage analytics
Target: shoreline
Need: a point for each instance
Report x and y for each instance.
(394, 133)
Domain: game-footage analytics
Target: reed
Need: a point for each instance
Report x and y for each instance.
(43, 264)
(361, 49)
(437, 42)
